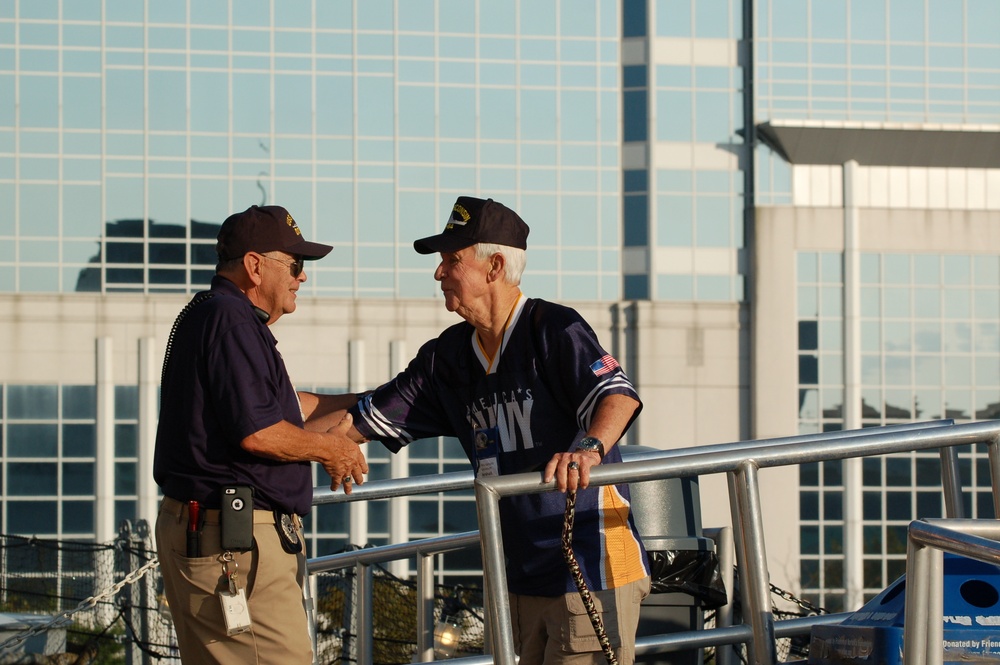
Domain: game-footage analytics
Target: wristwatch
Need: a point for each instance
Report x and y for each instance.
(591, 443)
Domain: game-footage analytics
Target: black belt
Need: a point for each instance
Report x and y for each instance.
(211, 515)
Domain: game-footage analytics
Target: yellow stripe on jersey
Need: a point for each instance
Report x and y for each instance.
(622, 553)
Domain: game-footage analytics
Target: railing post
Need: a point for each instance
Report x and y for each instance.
(754, 583)
(723, 537)
(309, 599)
(363, 615)
(926, 543)
(497, 603)
(130, 595)
(994, 458)
(425, 608)
(916, 610)
(951, 481)
(934, 645)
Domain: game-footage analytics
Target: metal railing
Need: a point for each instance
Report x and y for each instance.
(926, 543)
(362, 561)
(741, 461)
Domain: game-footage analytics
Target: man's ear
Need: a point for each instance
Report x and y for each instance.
(496, 266)
(253, 265)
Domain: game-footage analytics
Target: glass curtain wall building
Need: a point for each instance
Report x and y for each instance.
(131, 128)
(681, 164)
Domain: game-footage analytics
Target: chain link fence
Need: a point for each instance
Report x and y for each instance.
(89, 602)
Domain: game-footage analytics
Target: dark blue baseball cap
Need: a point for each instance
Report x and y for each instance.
(265, 229)
(473, 221)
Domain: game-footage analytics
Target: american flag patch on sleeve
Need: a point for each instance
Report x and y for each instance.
(605, 365)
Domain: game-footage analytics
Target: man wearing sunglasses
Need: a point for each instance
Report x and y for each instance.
(232, 456)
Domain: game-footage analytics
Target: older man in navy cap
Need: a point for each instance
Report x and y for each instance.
(525, 385)
(232, 456)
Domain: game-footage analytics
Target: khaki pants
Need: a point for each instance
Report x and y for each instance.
(271, 577)
(558, 631)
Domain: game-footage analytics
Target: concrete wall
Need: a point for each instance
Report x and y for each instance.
(684, 358)
(688, 360)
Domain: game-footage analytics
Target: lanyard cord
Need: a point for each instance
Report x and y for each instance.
(581, 584)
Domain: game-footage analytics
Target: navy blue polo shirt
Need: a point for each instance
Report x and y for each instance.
(224, 381)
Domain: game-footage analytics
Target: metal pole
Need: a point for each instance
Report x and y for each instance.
(935, 604)
(133, 655)
(498, 604)
(309, 599)
(723, 537)
(147, 589)
(923, 631)
(363, 618)
(915, 610)
(994, 458)
(754, 583)
(739, 551)
(425, 608)
(951, 480)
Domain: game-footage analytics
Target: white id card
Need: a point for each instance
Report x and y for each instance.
(487, 464)
(235, 610)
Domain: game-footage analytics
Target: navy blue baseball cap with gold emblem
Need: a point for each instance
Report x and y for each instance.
(473, 221)
(265, 229)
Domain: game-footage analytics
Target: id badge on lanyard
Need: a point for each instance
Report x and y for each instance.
(487, 443)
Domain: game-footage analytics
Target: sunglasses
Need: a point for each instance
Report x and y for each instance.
(295, 266)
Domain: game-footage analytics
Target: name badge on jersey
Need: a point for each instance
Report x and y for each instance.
(486, 441)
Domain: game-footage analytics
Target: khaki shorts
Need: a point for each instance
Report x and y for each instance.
(558, 630)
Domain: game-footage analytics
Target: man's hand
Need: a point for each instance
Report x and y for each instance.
(334, 449)
(571, 470)
(323, 412)
(345, 463)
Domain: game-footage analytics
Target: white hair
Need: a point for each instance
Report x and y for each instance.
(514, 259)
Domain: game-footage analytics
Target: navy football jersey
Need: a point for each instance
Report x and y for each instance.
(539, 392)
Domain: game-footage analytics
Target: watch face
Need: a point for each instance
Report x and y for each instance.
(590, 443)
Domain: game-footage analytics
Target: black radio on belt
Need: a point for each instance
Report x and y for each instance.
(236, 518)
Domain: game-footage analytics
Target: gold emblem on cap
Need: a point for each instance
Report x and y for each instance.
(291, 223)
(462, 212)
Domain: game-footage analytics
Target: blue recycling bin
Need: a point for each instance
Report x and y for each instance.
(874, 634)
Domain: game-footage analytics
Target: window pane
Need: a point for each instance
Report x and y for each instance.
(31, 517)
(26, 479)
(78, 479)
(126, 402)
(79, 440)
(78, 517)
(79, 402)
(125, 478)
(34, 402)
(32, 440)
(126, 440)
